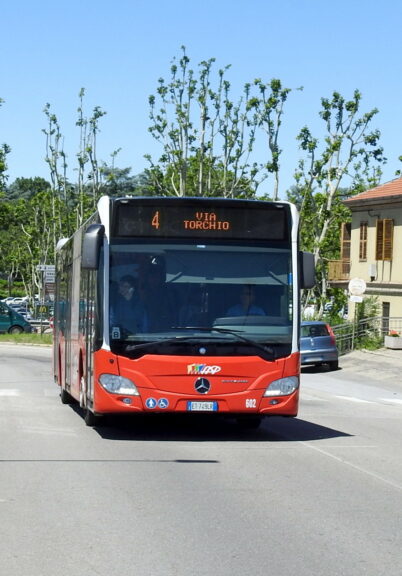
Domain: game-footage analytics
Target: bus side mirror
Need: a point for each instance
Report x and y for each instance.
(93, 238)
(307, 269)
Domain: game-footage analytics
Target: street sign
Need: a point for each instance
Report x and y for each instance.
(357, 286)
(358, 299)
(49, 276)
(45, 267)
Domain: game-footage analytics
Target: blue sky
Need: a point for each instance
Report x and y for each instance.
(118, 50)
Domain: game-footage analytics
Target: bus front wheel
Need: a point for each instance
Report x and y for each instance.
(92, 419)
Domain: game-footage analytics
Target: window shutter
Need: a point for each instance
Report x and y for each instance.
(388, 237)
(345, 240)
(363, 242)
(379, 239)
(385, 233)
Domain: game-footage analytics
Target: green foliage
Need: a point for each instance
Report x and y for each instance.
(207, 138)
(369, 308)
(348, 162)
(4, 151)
(207, 141)
(34, 339)
(25, 188)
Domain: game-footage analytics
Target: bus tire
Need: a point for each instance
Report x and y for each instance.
(65, 396)
(92, 419)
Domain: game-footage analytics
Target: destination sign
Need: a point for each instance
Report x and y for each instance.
(260, 221)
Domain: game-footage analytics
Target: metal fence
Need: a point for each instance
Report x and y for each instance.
(352, 335)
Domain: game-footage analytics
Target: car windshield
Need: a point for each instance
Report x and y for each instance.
(216, 294)
(314, 330)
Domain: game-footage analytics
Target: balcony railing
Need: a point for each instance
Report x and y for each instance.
(338, 270)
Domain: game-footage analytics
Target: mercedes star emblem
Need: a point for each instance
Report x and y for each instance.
(202, 385)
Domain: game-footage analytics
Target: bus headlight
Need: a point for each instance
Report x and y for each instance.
(283, 386)
(118, 385)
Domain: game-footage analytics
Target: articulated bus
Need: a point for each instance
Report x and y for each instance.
(181, 305)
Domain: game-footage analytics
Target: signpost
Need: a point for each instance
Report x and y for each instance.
(48, 280)
(357, 287)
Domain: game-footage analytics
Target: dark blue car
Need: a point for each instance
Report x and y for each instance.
(318, 345)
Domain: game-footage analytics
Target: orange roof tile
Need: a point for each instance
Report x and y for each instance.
(384, 191)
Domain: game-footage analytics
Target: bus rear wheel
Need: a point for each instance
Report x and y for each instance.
(65, 396)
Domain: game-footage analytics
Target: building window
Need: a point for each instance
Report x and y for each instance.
(363, 242)
(345, 240)
(384, 236)
(346, 232)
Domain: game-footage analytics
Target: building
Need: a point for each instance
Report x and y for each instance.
(371, 246)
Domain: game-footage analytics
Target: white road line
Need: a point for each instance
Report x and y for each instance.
(376, 401)
(345, 462)
(354, 399)
(9, 392)
(48, 431)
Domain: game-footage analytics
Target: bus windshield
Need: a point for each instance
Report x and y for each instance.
(184, 293)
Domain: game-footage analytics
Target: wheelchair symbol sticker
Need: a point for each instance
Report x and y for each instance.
(163, 403)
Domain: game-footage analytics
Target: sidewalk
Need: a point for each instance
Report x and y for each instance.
(381, 362)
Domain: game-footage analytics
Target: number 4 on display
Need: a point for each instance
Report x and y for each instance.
(155, 220)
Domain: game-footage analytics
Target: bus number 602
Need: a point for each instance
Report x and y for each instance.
(251, 403)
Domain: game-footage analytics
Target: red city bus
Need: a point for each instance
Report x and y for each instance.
(181, 305)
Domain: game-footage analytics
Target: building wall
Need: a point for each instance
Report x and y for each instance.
(383, 278)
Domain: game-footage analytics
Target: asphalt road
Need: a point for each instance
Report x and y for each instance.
(320, 494)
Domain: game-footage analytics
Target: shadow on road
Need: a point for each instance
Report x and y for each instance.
(313, 369)
(205, 428)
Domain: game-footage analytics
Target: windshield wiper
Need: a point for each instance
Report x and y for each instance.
(268, 350)
(237, 333)
(174, 339)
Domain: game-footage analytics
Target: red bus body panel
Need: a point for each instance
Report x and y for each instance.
(238, 386)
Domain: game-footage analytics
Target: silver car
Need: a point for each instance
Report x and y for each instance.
(318, 345)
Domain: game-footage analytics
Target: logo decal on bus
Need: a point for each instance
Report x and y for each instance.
(202, 369)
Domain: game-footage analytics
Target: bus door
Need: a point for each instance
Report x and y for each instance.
(67, 329)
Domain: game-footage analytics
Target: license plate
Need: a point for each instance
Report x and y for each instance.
(202, 406)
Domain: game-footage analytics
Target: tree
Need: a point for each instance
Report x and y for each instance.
(119, 182)
(351, 156)
(25, 188)
(208, 139)
(79, 199)
(268, 109)
(89, 128)
(4, 150)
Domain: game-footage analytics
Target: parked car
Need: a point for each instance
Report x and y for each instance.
(11, 321)
(24, 313)
(8, 299)
(318, 345)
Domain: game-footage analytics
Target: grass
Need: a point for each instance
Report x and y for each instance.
(36, 339)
